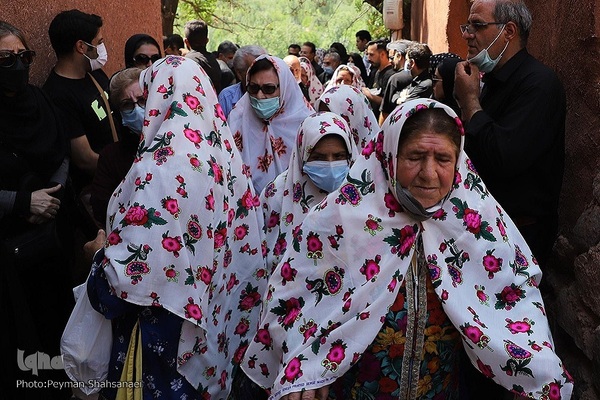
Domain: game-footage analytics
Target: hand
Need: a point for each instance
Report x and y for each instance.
(91, 247)
(366, 92)
(467, 88)
(37, 220)
(318, 394)
(43, 204)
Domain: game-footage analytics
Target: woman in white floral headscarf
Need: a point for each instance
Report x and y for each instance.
(265, 120)
(346, 75)
(182, 266)
(350, 103)
(423, 261)
(310, 79)
(320, 162)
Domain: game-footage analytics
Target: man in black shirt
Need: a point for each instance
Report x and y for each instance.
(196, 38)
(79, 46)
(378, 57)
(309, 50)
(401, 78)
(515, 126)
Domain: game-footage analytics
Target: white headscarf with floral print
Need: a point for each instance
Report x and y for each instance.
(327, 298)
(315, 87)
(184, 231)
(266, 146)
(357, 80)
(350, 103)
(287, 200)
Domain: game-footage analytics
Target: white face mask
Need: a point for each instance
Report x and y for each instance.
(483, 60)
(97, 63)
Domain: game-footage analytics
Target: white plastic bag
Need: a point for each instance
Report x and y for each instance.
(86, 344)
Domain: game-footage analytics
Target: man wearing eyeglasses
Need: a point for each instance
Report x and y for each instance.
(515, 124)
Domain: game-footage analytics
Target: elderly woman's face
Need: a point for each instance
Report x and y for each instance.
(344, 77)
(264, 84)
(425, 166)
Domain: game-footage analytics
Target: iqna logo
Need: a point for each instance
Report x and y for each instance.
(38, 361)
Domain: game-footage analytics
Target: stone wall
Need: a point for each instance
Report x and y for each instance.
(121, 20)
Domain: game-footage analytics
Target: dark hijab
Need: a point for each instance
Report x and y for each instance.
(446, 70)
(134, 43)
(358, 62)
(31, 139)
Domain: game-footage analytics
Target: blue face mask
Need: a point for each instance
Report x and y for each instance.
(134, 119)
(265, 108)
(328, 70)
(327, 175)
(483, 60)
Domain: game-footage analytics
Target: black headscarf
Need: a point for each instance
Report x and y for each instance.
(134, 43)
(31, 137)
(446, 69)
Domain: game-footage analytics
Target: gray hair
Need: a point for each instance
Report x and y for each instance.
(515, 11)
(334, 56)
(239, 59)
(120, 81)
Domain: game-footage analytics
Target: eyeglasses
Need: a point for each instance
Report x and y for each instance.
(267, 88)
(143, 58)
(473, 27)
(8, 58)
(128, 105)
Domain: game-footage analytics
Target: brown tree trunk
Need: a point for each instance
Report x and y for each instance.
(168, 11)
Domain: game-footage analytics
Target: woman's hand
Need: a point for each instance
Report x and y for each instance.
(43, 206)
(318, 394)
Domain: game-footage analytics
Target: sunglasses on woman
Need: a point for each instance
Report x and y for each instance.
(143, 59)
(267, 88)
(8, 58)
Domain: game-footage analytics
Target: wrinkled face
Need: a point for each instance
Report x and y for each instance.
(11, 43)
(145, 54)
(264, 78)
(329, 148)
(344, 77)
(131, 96)
(483, 11)
(425, 166)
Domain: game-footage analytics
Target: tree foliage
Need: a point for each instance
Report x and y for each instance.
(275, 24)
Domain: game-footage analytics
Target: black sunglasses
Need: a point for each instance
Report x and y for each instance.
(267, 88)
(143, 59)
(8, 58)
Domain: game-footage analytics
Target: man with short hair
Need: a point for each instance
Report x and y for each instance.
(294, 49)
(331, 61)
(309, 50)
(78, 42)
(401, 78)
(363, 37)
(421, 85)
(173, 45)
(196, 39)
(515, 125)
(225, 53)
(378, 57)
(242, 60)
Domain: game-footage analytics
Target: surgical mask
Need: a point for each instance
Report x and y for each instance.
(134, 119)
(100, 61)
(483, 60)
(328, 70)
(406, 65)
(327, 175)
(265, 108)
(350, 64)
(15, 78)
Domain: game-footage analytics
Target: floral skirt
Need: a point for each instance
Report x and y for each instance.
(404, 361)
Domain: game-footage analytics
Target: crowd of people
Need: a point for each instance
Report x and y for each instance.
(325, 225)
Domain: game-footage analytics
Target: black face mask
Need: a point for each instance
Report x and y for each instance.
(15, 78)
